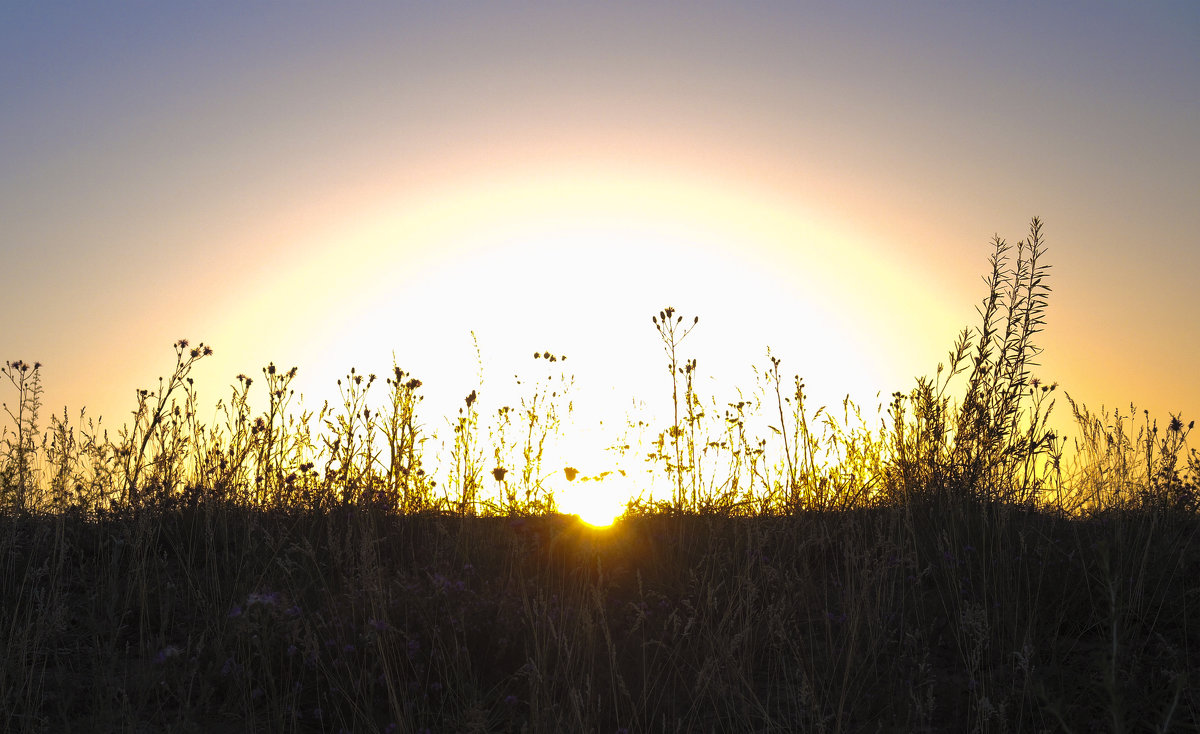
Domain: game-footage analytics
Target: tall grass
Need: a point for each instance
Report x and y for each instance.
(953, 564)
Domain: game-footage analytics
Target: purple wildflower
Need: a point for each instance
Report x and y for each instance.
(270, 598)
(166, 654)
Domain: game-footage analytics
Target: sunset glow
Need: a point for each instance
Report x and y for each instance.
(455, 192)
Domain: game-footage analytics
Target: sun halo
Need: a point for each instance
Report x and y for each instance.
(579, 274)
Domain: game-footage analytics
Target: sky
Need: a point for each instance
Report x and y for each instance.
(329, 185)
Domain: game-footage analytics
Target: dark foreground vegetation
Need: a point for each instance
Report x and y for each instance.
(917, 619)
(959, 567)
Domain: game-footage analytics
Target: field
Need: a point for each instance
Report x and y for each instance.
(960, 567)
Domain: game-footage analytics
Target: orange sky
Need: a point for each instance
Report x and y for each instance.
(328, 185)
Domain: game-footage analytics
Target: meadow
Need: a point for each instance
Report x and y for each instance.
(958, 565)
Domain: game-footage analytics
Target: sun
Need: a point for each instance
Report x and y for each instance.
(590, 479)
(597, 499)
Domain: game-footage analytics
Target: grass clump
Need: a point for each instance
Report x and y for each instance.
(958, 566)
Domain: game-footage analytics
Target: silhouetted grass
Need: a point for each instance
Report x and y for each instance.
(958, 567)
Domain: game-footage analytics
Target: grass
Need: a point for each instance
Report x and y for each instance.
(957, 567)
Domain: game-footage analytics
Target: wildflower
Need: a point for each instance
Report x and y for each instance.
(498, 473)
(1176, 425)
(378, 625)
(270, 598)
(293, 610)
(236, 611)
(510, 700)
(166, 654)
(570, 472)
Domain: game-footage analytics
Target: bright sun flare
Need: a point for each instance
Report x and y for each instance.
(594, 483)
(578, 273)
